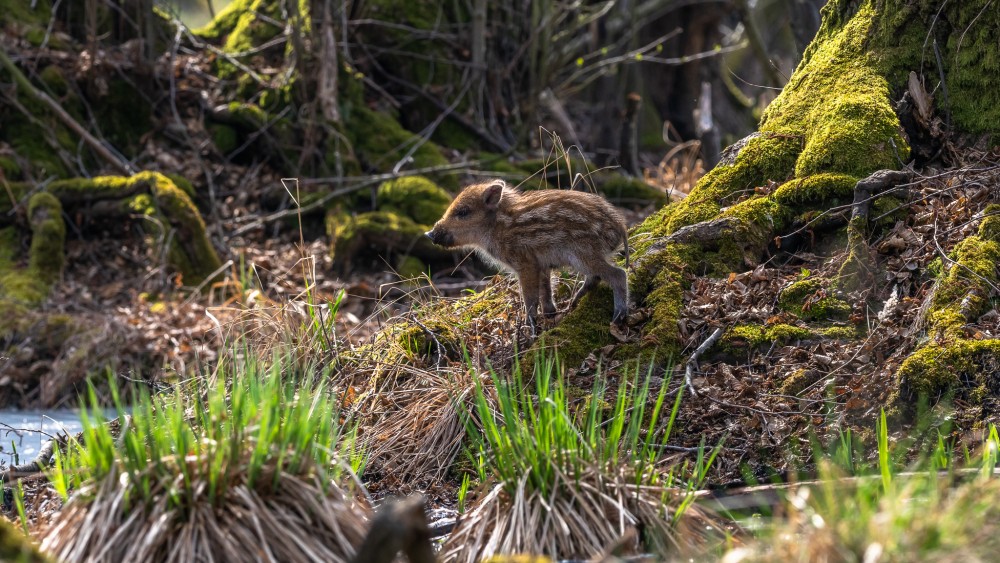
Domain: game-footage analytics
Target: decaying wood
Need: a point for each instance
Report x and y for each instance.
(34, 467)
(867, 189)
(401, 526)
(43, 460)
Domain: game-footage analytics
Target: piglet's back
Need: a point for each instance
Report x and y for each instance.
(561, 220)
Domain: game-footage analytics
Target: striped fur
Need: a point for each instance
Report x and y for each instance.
(531, 233)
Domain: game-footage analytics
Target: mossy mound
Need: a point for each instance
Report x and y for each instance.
(407, 208)
(45, 258)
(378, 234)
(434, 340)
(951, 360)
(380, 143)
(581, 331)
(175, 222)
(415, 197)
(811, 299)
(966, 367)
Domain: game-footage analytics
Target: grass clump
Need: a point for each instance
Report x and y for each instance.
(938, 509)
(249, 466)
(580, 478)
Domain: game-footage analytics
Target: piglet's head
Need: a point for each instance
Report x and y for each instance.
(470, 217)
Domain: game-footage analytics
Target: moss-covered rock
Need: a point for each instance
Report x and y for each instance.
(415, 197)
(378, 234)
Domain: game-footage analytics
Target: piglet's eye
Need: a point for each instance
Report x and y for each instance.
(462, 212)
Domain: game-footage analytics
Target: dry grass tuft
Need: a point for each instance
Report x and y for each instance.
(580, 517)
(297, 520)
(420, 429)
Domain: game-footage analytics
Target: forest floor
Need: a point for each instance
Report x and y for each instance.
(782, 395)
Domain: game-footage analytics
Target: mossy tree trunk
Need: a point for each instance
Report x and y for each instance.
(833, 124)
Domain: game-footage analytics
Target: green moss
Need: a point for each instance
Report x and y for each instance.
(810, 299)
(171, 207)
(380, 142)
(840, 332)
(752, 336)
(54, 79)
(30, 285)
(581, 331)
(964, 293)
(429, 341)
(32, 139)
(455, 136)
(48, 235)
(989, 228)
(243, 25)
(223, 137)
(799, 381)
(968, 35)
(378, 234)
(183, 184)
(226, 20)
(15, 547)
(10, 168)
(415, 197)
(26, 12)
(936, 369)
(839, 100)
(950, 361)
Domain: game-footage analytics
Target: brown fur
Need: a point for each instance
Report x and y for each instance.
(533, 232)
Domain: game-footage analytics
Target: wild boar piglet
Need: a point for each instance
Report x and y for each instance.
(533, 232)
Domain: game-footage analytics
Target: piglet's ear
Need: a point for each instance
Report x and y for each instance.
(492, 195)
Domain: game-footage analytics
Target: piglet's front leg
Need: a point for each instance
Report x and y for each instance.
(530, 279)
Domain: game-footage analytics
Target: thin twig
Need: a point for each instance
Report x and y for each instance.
(692, 363)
